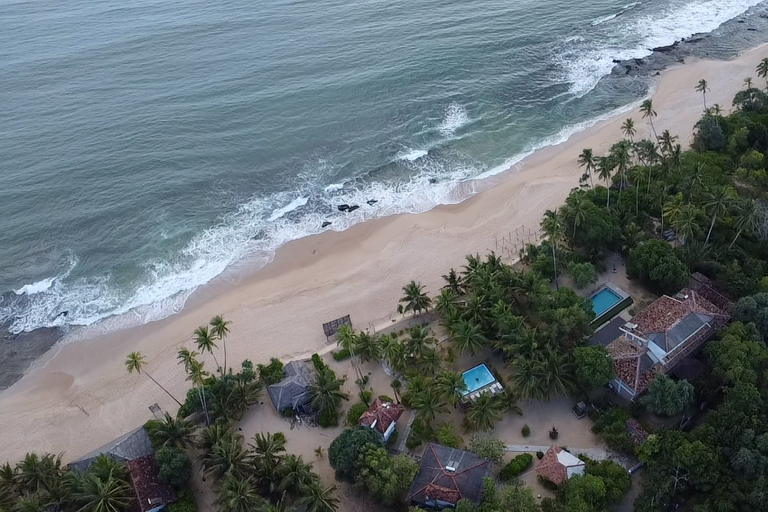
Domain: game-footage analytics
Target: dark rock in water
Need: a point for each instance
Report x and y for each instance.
(741, 21)
(752, 29)
(639, 62)
(353, 208)
(616, 61)
(657, 73)
(664, 49)
(326, 224)
(433, 180)
(343, 207)
(371, 202)
(694, 40)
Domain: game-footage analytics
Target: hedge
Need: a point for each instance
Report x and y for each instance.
(340, 355)
(354, 413)
(516, 466)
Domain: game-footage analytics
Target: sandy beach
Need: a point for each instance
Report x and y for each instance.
(79, 396)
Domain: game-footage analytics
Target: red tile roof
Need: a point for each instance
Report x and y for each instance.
(627, 364)
(661, 315)
(383, 413)
(150, 491)
(551, 468)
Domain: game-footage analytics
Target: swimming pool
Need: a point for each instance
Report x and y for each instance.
(604, 300)
(477, 378)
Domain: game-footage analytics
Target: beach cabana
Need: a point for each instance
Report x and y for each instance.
(291, 392)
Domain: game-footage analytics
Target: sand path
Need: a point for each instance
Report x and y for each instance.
(79, 396)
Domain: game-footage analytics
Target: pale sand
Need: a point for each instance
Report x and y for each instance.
(80, 396)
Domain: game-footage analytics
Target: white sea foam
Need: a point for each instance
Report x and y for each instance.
(615, 15)
(333, 187)
(293, 205)
(413, 154)
(634, 37)
(454, 118)
(38, 287)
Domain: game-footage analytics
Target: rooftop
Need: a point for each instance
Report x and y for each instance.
(380, 415)
(128, 447)
(291, 392)
(448, 475)
(150, 491)
(632, 364)
(558, 465)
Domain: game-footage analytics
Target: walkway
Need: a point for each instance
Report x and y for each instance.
(592, 453)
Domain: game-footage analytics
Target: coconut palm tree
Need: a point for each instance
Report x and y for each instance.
(667, 142)
(468, 336)
(717, 202)
(445, 303)
(368, 347)
(227, 457)
(238, 495)
(212, 435)
(748, 217)
(484, 411)
(396, 387)
(529, 377)
(428, 404)
(620, 156)
(628, 128)
(687, 225)
(454, 283)
(318, 498)
(605, 173)
(576, 209)
(220, 329)
(171, 431)
(196, 374)
(325, 393)
(587, 160)
(762, 70)
(420, 341)
(36, 474)
(295, 474)
(135, 362)
(392, 352)
(415, 299)
(648, 113)
(187, 358)
(267, 458)
(206, 342)
(702, 88)
(345, 338)
(558, 373)
(508, 400)
(96, 495)
(451, 385)
(552, 228)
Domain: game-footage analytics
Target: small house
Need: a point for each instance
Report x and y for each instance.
(382, 417)
(135, 450)
(446, 476)
(291, 393)
(558, 465)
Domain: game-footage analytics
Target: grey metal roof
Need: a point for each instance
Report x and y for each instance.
(291, 392)
(680, 331)
(130, 446)
(466, 476)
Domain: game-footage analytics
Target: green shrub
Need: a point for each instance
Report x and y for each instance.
(392, 439)
(173, 466)
(553, 433)
(318, 363)
(583, 274)
(340, 355)
(516, 466)
(288, 412)
(447, 436)
(539, 455)
(366, 395)
(328, 418)
(271, 373)
(548, 505)
(526, 430)
(413, 441)
(385, 398)
(184, 503)
(354, 413)
(546, 483)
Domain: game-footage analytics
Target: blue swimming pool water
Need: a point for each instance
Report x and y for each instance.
(604, 300)
(477, 377)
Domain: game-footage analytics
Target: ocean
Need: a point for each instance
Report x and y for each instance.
(147, 146)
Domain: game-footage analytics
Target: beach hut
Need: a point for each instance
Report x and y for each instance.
(291, 392)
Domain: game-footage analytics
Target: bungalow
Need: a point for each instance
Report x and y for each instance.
(292, 392)
(382, 416)
(662, 335)
(134, 449)
(558, 465)
(446, 476)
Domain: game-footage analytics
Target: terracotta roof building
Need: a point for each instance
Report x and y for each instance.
(558, 465)
(662, 335)
(446, 476)
(382, 416)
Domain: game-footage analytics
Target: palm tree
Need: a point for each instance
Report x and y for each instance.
(135, 362)
(268, 456)
(295, 474)
(762, 70)
(648, 113)
(97, 495)
(238, 495)
(206, 342)
(392, 352)
(454, 283)
(605, 173)
(420, 341)
(212, 435)
(587, 160)
(553, 230)
(345, 338)
(227, 457)
(577, 210)
(717, 203)
(702, 88)
(319, 499)
(667, 141)
(451, 385)
(484, 411)
(748, 83)
(529, 378)
(220, 329)
(428, 404)
(105, 466)
(687, 225)
(415, 299)
(558, 372)
(445, 303)
(325, 393)
(177, 432)
(187, 358)
(748, 216)
(35, 474)
(508, 400)
(621, 158)
(628, 128)
(368, 347)
(197, 375)
(468, 336)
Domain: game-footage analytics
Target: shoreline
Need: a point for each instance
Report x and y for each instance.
(82, 387)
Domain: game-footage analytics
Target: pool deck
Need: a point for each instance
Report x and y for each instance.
(491, 387)
(624, 297)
